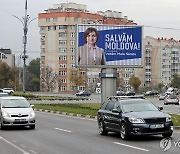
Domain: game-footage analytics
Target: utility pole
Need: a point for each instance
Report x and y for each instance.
(25, 21)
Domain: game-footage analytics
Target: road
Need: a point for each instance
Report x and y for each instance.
(60, 134)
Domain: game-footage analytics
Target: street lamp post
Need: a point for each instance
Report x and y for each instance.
(25, 22)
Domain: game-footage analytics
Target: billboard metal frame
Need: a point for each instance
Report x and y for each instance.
(111, 28)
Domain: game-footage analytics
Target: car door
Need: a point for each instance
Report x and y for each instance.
(108, 114)
(116, 116)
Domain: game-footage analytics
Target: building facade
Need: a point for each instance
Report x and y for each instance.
(161, 58)
(7, 57)
(58, 41)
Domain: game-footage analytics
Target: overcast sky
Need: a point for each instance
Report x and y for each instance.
(156, 13)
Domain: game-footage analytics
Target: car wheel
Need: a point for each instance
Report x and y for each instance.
(32, 126)
(123, 131)
(102, 129)
(167, 135)
(2, 127)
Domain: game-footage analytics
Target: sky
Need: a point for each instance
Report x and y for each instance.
(160, 18)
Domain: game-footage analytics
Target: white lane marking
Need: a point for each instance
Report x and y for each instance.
(122, 144)
(22, 145)
(64, 130)
(126, 145)
(33, 151)
(13, 145)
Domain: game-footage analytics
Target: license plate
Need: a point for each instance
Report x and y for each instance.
(17, 120)
(157, 126)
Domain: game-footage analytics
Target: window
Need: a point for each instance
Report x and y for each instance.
(49, 28)
(117, 106)
(82, 72)
(72, 34)
(72, 49)
(62, 34)
(47, 19)
(54, 27)
(62, 57)
(62, 73)
(62, 88)
(54, 19)
(81, 88)
(72, 57)
(63, 81)
(62, 65)
(72, 42)
(42, 50)
(75, 19)
(42, 28)
(63, 50)
(110, 106)
(72, 65)
(62, 26)
(42, 42)
(62, 42)
(72, 27)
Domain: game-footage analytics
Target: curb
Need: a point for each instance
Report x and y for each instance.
(177, 128)
(66, 113)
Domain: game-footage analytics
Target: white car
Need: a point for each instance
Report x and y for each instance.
(16, 111)
(8, 90)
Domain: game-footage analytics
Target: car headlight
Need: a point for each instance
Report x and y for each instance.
(168, 119)
(32, 113)
(5, 114)
(136, 120)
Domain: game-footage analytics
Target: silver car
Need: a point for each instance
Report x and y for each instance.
(171, 99)
(16, 111)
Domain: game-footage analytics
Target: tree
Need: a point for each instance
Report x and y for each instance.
(75, 79)
(135, 82)
(8, 76)
(175, 81)
(34, 67)
(49, 79)
(33, 75)
(120, 84)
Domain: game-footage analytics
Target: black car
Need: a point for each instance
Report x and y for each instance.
(130, 93)
(133, 116)
(83, 93)
(151, 93)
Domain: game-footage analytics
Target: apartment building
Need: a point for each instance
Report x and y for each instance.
(57, 31)
(161, 61)
(7, 57)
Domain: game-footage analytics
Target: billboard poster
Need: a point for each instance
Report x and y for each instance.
(109, 46)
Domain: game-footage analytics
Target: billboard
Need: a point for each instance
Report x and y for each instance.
(109, 46)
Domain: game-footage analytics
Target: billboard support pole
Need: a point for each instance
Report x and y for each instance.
(108, 80)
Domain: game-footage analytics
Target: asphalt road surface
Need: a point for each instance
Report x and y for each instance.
(61, 134)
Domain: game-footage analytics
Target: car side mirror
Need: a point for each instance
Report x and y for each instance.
(116, 111)
(160, 108)
(32, 106)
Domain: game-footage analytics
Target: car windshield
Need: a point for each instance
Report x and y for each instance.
(172, 97)
(15, 103)
(138, 107)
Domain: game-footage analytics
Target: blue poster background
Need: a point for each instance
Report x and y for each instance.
(119, 43)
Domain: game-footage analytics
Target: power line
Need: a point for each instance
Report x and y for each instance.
(162, 27)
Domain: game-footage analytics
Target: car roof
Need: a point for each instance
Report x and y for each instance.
(133, 101)
(117, 98)
(12, 97)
